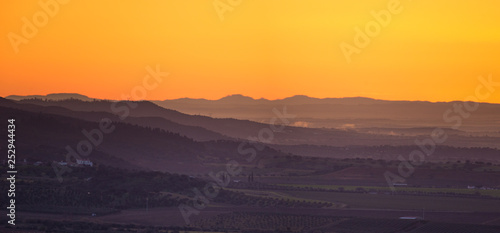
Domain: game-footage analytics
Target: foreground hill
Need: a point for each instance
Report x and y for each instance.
(291, 135)
(194, 132)
(45, 137)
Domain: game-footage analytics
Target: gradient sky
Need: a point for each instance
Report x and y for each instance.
(433, 50)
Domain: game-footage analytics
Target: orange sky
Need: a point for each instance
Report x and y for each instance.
(432, 50)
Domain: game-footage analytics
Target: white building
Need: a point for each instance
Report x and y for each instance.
(62, 163)
(85, 162)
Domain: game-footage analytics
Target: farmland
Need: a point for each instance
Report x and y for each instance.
(324, 195)
(416, 190)
(386, 201)
(253, 220)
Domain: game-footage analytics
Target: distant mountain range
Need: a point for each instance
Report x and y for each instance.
(204, 128)
(359, 113)
(341, 113)
(231, 99)
(156, 138)
(55, 96)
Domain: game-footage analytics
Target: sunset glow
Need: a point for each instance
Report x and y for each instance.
(432, 50)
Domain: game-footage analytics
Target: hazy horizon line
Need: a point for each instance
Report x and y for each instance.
(246, 96)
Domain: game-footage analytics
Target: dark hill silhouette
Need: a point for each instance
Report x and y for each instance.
(194, 132)
(242, 129)
(354, 112)
(215, 150)
(44, 137)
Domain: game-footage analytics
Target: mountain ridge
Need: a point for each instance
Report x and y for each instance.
(292, 134)
(230, 98)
